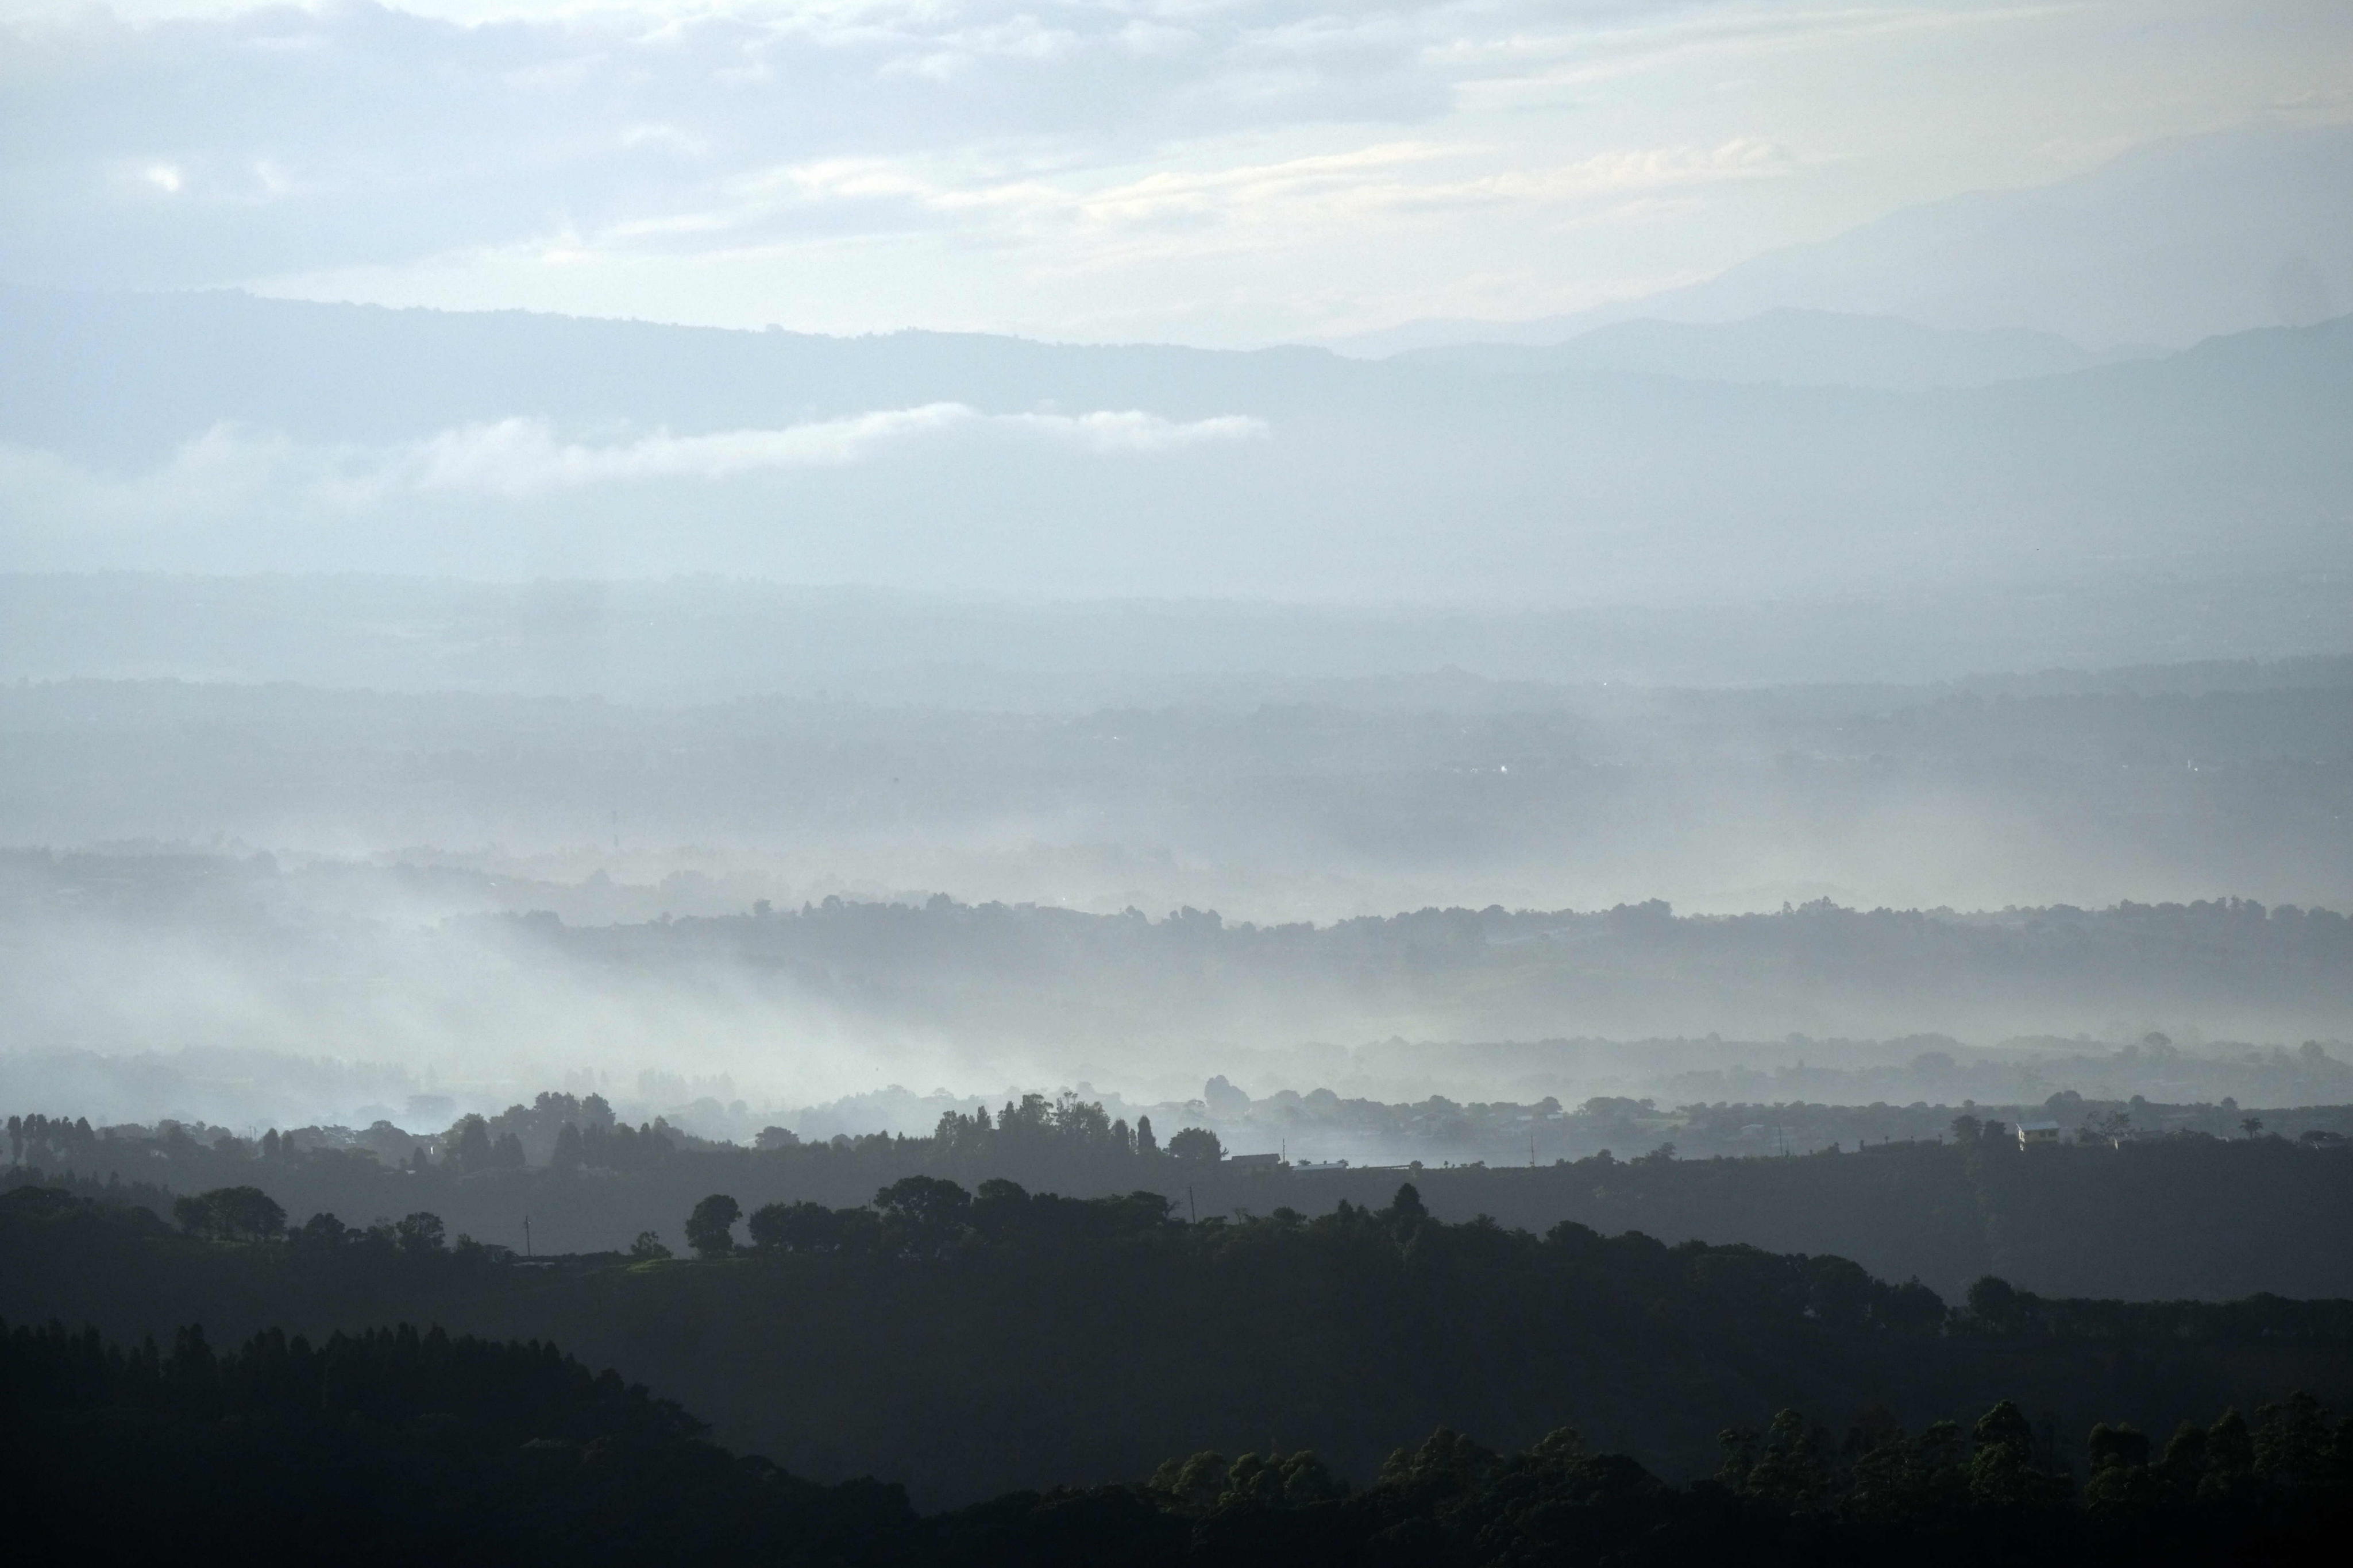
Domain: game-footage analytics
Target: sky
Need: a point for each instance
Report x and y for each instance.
(1225, 172)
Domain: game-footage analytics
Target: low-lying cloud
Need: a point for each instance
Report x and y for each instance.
(526, 457)
(233, 468)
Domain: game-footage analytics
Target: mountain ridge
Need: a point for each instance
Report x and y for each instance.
(2170, 242)
(227, 433)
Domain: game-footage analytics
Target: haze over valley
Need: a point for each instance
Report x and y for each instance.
(883, 785)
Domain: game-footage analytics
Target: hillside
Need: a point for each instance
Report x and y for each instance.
(398, 1445)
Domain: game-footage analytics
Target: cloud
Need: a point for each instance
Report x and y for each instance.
(518, 458)
(1378, 178)
(234, 475)
(1219, 209)
(208, 149)
(1232, 172)
(223, 473)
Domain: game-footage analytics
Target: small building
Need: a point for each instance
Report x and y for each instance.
(2032, 1132)
(1319, 1164)
(1255, 1162)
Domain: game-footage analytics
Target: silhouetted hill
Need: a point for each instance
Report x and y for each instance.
(397, 1446)
(385, 1447)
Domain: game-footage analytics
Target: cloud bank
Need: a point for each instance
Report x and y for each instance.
(1231, 171)
(278, 140)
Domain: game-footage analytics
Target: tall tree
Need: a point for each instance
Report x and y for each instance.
(709, 1229)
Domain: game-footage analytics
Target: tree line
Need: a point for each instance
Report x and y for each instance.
(2108, 1215)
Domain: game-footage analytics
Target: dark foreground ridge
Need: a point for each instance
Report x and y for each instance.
(395, 1445)
(968, 1344)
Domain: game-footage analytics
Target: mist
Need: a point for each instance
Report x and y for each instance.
(939, 783)
(462, 710)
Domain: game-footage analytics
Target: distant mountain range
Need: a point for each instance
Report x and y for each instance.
(2164, 245)
(1794, 348)
(222, 433)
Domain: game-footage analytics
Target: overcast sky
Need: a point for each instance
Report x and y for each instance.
(1217, 172)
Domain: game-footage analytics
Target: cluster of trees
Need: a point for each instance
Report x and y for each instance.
(1034, 1120)
(565, 1132)
(250, 1215)
(53, 1139)
(927, 1217)
(469, 1146)
(132, 1197)
(395, 1444)
(231, 1213)
(561, 1132)
(1065, 1126)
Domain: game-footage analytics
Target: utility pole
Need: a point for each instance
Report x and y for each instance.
(1190, 1207)
(526, 1235)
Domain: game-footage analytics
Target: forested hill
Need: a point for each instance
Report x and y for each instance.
(1499, 973)
(390, 1446)
(1022, 974)
(401, 1446)
(2185, 1215)
(2164, 951)
(968, 1342)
